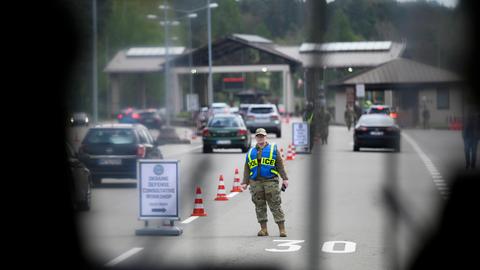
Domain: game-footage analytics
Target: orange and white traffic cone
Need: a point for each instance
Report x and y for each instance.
(289, 152)
(294, 153)
(236, 183)
(221, 194)
(198, 210)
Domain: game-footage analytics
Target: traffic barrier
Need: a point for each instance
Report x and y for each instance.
(199, 210)
(236, 183)
(289, 152)
(221, 194)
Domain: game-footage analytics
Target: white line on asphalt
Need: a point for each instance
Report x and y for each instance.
(190, 219)
(123, 257)
(437, 177)
(231, 195)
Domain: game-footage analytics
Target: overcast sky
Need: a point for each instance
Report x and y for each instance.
(448, 3)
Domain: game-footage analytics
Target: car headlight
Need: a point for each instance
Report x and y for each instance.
(86, 119)
(71, 120)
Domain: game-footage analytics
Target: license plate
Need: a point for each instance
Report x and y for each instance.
(224, 142)
(263, 120)
(110, 161)
(376, 133)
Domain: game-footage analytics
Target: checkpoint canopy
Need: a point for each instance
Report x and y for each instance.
(158, 195)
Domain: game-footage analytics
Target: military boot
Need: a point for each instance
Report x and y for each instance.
(281, 227)
(263, 231)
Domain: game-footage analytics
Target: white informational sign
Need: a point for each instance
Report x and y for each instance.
(360, 90)
(158, 189)
(300, 134)
(192, 102)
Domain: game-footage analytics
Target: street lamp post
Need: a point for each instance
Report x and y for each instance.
(210, 86)
(167, 65)
(94, 63)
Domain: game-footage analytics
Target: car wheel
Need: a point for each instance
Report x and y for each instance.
(356, 148)
(207, 149)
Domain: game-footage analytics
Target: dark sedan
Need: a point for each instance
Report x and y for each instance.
(376, 131)
(150, 118)
(226, 131)
(112, 150)
(79, 119)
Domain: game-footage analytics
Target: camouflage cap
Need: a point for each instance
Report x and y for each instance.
(260, 131)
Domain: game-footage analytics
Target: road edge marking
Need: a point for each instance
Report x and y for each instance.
(123, 257)
(190, 219)
(436, 176)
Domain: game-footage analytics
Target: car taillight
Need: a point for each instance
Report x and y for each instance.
(274, 117)
(120, 116)
(242, 132)
(250, 117)
(141, 151)
(205, 132)
(362, 128)
(135, 116)
(393, 115)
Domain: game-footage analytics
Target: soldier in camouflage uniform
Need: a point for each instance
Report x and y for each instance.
(262, 169)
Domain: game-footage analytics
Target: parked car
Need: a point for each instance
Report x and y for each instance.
(383, 109)
(264, 116)
(219, 107)
(376, 131)
(79, 119)
(243, 110)
(150, 118)
(112, 150)
(226, 131)
(128, 116)
(82, 180)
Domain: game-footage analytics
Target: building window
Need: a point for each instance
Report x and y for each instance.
(443, 99)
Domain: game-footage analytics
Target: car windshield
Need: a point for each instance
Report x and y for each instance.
(220, 122)
(375, 121)
(110, 136)
(262, 110)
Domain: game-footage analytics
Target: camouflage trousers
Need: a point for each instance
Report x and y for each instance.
(263, 192)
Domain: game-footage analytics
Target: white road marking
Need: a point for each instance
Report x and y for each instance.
(348, 247)
(231, 195)
(190, 219)
(434, 173)
(124, 256)
(291, 244)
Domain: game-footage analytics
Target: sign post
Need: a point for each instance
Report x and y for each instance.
(158, 196)
(301, 137)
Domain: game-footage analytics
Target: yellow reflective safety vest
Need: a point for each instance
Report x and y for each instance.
(267, 163)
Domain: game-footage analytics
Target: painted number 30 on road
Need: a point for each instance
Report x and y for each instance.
(328, 247)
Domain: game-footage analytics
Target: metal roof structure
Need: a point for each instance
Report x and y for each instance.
(141, 59)
(231, 50)
(344, 54)
(252, 38)
(346, 46)
(400, 71)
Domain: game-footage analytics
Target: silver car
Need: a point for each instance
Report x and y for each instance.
(264, 116)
